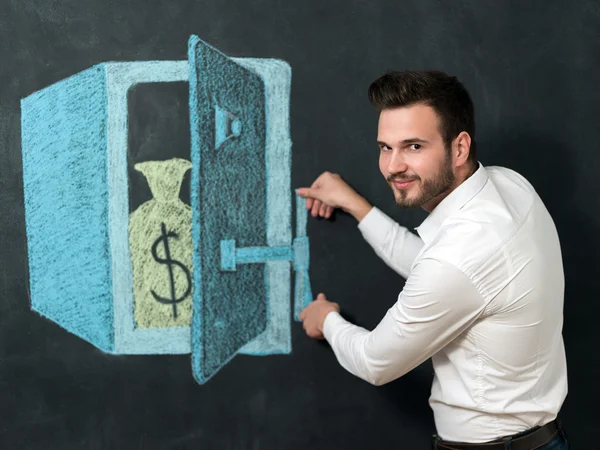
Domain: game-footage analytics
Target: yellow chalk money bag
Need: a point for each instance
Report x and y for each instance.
(160, 241)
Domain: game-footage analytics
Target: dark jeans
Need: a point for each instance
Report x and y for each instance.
(558, 443)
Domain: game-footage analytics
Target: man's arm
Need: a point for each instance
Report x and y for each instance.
(393, 243)
(437, 304)
(397, 246)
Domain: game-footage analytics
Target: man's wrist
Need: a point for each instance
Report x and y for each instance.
(358, 207)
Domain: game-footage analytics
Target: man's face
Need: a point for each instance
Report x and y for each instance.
(413, 157)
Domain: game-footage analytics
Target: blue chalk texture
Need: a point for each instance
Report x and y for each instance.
(64, 146)
(75, 152)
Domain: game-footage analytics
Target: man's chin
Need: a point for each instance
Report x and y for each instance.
(405, 201)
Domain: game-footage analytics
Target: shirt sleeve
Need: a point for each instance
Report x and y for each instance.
(437, 304)
(394, 244)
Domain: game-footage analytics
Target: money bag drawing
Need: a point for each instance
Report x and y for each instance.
(211, 276)
(165, 222)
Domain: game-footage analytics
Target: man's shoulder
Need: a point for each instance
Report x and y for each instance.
(485, 223)
(503, 203)
(466, 241)
(506, 179)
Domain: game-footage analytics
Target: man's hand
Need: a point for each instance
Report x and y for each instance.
(313, 316)
(328, 192)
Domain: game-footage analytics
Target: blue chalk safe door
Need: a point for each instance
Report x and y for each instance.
(241, 210)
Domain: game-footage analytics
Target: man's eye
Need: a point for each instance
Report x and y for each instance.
(415, 146)
(384, 148)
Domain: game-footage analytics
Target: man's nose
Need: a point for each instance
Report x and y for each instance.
(396, 163)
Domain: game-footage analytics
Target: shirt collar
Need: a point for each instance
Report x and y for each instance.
(452, 203)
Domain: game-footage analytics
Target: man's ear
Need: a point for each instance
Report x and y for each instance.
(461, 148)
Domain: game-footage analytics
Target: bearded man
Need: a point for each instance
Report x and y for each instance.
(484, 277)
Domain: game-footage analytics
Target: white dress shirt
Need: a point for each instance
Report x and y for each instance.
(483, 297)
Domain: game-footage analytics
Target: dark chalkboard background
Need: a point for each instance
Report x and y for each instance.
(158, 129)
(533, 69)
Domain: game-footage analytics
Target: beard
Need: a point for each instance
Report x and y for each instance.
(428, 189)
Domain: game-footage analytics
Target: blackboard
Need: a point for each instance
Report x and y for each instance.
(532, 69)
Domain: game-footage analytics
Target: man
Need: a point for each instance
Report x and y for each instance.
(484, 278)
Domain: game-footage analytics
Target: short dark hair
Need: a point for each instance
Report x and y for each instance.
(444, 93)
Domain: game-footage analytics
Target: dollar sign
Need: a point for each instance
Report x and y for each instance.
(164, 238)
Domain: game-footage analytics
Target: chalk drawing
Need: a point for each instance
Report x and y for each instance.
(160, 239)
(212, 278)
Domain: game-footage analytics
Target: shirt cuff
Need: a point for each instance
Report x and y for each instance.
(333, 320)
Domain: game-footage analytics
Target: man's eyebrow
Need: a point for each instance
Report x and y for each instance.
(415, 141)
(406, 142)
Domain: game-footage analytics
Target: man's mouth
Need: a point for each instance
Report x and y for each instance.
(402, 184)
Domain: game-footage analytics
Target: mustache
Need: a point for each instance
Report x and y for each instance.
(402, 177)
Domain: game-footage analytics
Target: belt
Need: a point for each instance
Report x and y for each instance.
(532, 440)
